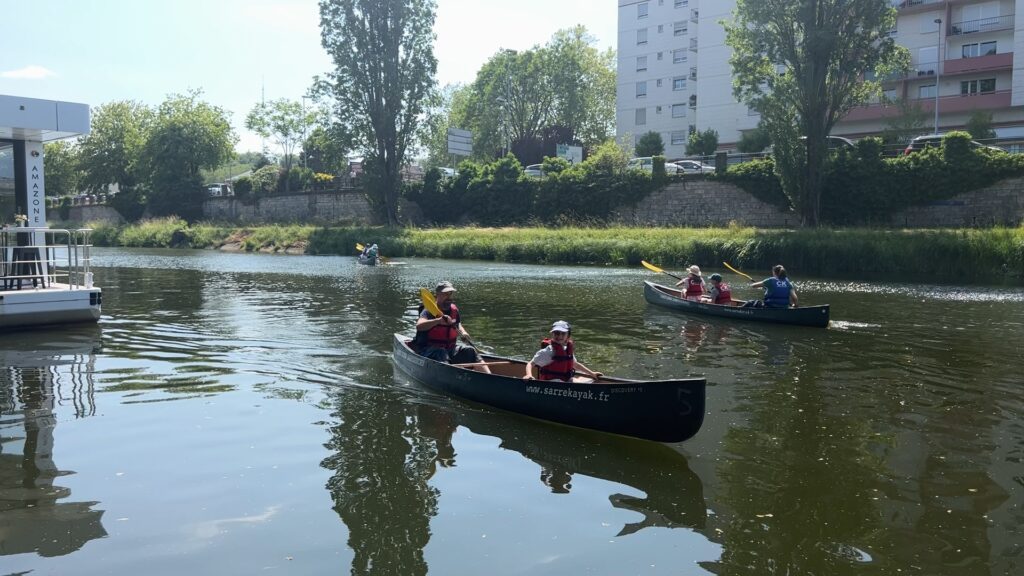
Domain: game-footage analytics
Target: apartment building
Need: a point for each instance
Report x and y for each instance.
(674, 74)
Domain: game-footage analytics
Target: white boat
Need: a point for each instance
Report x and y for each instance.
(45, 275)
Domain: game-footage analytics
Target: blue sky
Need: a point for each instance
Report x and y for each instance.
(98, 51)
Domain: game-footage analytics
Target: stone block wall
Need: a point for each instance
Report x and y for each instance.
(697, 202)
(83, 214)
(317, 208)
(999, 204)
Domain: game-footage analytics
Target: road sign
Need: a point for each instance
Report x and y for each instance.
(460, 142)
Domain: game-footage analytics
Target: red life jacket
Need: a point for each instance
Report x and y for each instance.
(694, 287)
(724, 294)
(562, 365)
(441, 336)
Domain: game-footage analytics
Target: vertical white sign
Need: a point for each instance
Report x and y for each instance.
(36, 209)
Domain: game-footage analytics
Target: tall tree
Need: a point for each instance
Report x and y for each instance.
(60, 163)
(702, 142)
(188, 134)
(911, 121)
(112, 152)
(979, 125)
(286, 121)
(805, 61)
(583, 81)
(384, 62)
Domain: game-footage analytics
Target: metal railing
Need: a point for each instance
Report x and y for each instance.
(982, 25)
(45, 258)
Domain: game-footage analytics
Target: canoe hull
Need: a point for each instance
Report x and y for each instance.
(815, 316)
(664, 411)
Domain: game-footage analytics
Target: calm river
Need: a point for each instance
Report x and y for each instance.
(240, 414)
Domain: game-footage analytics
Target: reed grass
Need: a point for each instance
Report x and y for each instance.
(940, 254)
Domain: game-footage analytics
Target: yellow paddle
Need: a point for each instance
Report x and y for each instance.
(737, 271)
(430, 305)
(654, 268)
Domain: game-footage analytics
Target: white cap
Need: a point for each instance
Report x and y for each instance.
(560, 326)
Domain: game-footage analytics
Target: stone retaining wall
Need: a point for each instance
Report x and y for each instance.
(999, 204)
(697, 202)
(317, 208)
(83, 214)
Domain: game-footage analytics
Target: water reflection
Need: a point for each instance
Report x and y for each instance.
(381, 462)
(673, 496)
(43, 370)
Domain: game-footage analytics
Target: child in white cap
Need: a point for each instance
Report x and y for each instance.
(556, 359)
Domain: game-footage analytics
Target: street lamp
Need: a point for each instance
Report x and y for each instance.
(938, 73)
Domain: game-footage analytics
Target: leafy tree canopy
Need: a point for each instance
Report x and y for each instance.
(650, 144)
(383, 76)
(112, 151)
(802, 64)
(702, 142)
(60, 164)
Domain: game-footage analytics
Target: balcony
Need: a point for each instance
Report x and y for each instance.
(947, 105)
(911, 6)
(989, 63)
(693, 44)
(993, 24)
(693, 74)
(694, 15)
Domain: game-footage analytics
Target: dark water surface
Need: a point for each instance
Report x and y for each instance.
(239, 414)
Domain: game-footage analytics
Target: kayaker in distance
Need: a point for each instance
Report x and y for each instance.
(556, 359)
(779, 292)
(692, 285)
(437, 338)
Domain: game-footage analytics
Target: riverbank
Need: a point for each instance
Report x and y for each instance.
(969, 255)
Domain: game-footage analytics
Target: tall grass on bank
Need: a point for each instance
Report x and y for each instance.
(971, 254)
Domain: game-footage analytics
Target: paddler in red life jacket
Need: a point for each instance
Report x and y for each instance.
(692, 285)
(437, 338)
(719, 292)
(556, 359)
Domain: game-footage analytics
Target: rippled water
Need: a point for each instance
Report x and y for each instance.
(235, 414)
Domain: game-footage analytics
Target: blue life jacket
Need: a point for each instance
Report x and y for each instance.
(776, 293)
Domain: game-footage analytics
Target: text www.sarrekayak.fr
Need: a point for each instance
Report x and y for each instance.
(577, 394)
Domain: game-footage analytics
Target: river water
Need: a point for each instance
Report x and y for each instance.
(240, 414)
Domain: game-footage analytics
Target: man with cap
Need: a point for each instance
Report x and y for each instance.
(556, 359)
(692, 285)
(437, 338)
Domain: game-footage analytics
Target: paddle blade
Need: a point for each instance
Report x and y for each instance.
(726, 264)
(654, 268)
(651, 267)
(359, 247)
(429, 304)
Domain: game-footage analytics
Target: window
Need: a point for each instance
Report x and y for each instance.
(661, 28)
(679, 83)
(985, 86)
(641, 89)
(678, 137)
(982, 49)
(679, 110)
(889, 95)
(926, 91)
(641, 116)
(679, 28)
(678, 56)
(657, 109)
(927, 58)
(641, 63)
(659, 56)
(641, 10)
(682, 3)
(641, 36)
(659, 82)
(929, 25)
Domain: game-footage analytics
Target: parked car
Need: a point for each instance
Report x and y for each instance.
(646, 163)
(447, 172)
(935, 140)
(834, 142)
(218, 190)
(534, 171)
(694, 167)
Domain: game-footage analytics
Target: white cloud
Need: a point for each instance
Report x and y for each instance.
(31, 72)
